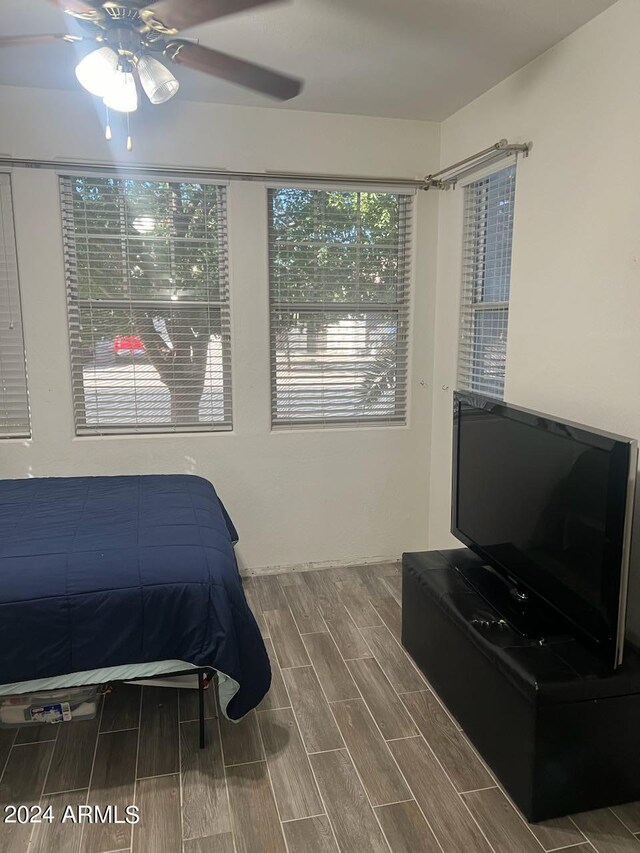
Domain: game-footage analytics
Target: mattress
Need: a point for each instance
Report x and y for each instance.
(99, 575)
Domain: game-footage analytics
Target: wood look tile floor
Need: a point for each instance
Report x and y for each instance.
(351, 751)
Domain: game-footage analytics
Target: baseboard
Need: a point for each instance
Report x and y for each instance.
(314, 567)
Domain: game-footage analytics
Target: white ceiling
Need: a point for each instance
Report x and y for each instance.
(420, 59)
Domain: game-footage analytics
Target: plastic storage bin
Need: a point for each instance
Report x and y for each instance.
(48, 706)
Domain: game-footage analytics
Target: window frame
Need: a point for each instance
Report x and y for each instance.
(73, 302)
(475, 308)
(402, 309)
(8, 237)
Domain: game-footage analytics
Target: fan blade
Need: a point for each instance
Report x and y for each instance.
(171, 16)
(233, 69)
(18, 41)
(80, 9)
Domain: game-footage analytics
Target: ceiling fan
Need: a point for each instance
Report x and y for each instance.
(130, 34)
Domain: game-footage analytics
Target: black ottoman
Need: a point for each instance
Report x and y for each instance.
(561, 734)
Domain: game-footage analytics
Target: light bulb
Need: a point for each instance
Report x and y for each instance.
(122, 94)
(97, 69)
(157, 81)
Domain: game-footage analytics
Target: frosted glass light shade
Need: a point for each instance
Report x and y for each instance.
(122, 94)
(96, 70)
(157, 81)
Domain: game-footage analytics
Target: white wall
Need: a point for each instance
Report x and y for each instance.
(348, 495)
(309, 496)
(574, 326)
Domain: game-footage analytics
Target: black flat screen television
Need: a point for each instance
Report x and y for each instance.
(547, 504)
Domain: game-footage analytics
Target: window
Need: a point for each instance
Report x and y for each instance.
(486, 279)
(339, 294)
(148, 304)
(14, 398)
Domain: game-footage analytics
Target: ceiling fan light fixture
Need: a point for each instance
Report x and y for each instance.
(157, 81)
(122, 94)
(96, 71)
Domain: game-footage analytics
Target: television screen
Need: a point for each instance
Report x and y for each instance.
(545, 503)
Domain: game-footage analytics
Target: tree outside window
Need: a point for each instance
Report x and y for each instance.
(148, 303)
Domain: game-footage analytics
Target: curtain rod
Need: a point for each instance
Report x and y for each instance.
(447, 178)
(223, 174)
(444, 179)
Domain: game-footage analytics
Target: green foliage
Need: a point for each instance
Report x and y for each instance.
(331, 246)
(145, 248)
(145, 252)
(146, 240)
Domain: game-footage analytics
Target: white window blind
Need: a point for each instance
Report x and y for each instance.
(14, 399)
(486, 279)
(148, 304)
(339, 264)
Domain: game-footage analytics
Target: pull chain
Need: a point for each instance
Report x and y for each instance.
(129, 140)
(107, 130)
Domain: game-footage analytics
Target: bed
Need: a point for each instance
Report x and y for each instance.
(119, 578)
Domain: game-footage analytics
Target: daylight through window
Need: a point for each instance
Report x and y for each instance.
(339, 264)
(148, 300)
(14, 398)
(486, 282)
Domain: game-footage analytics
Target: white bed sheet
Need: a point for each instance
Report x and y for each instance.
(227, 687)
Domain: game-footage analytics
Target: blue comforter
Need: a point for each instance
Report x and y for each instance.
(103, 571)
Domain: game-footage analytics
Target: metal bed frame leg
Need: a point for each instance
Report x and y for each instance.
(201, 707)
